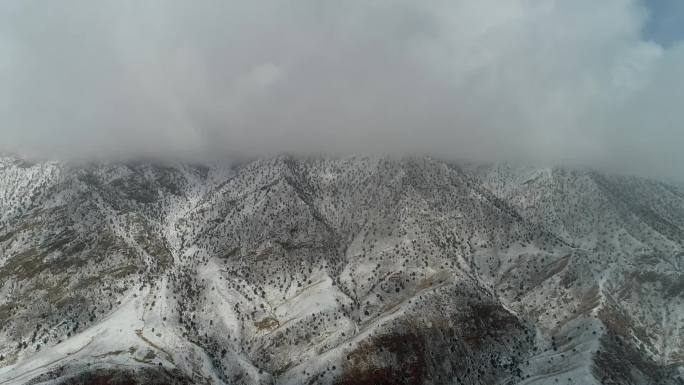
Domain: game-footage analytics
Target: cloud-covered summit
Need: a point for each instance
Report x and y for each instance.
(559, 81)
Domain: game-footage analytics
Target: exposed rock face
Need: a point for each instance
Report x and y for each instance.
(338, 271)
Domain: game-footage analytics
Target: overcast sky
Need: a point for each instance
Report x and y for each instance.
(564, 81)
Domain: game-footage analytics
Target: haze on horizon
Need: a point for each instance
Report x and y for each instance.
(578, 82)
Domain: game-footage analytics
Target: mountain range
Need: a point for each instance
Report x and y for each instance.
(346, 270)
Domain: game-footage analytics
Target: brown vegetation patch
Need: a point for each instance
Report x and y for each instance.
(487, 319)
(268, 323)
(363, 365)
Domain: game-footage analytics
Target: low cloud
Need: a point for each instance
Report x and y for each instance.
(550, 81)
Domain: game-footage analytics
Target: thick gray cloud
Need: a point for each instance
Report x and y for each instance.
(558, 81)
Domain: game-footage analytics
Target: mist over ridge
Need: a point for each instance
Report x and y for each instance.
(545, 82)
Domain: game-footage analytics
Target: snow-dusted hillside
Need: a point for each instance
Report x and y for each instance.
(338, 271)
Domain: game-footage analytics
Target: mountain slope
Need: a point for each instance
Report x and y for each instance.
(338, 271)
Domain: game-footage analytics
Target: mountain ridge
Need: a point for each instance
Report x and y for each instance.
(338, 270)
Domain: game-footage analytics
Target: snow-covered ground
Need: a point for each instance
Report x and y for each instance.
(338, 271)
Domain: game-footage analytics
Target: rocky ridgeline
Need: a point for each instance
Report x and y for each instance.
(338, 271)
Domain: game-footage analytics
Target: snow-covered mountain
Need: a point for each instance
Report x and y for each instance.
(338, 271)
